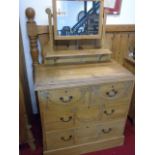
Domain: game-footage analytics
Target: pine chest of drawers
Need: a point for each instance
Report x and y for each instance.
(83, 95)
(83, 107)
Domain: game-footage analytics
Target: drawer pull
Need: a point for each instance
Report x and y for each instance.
(109, 113)
(106, 130)
(112, 93)
(66, 99)
(67, 139)
(66, 120)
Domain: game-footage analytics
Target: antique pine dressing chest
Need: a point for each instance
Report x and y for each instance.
(83, 94)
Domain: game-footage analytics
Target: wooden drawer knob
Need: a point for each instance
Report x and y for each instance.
(66, 139)
(107, 130)
(66, 120)
(112, 93)
(66, 99)
(109, 113)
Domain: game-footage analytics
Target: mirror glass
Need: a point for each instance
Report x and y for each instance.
(77, 18)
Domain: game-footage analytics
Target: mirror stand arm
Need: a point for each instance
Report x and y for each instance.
(50, 15)
(103, 29)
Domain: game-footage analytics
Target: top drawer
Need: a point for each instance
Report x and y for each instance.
(67, 96)
(92, 95)
(116, 91)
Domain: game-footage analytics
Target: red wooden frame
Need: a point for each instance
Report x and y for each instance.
(116, 9)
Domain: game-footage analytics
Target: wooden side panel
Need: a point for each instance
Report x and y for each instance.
(25, 111)
(109, 41)
(119, 43)
(116, 46)
(22, 122)
(123, 47)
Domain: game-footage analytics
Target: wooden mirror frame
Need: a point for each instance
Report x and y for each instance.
(98, 36)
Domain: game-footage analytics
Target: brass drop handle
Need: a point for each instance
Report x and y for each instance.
(66, 99)
(109, 113)
(66, 120)
(112, 93)
(67, 139)
(106, 131)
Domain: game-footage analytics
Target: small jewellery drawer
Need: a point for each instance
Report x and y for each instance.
(116, 91)
(88, 114)
(58, 118)
(66, 96)
(86, 133)
(114, 112)
(111, 129)
(59, 139)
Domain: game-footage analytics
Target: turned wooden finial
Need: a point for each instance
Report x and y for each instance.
(30, 13)
(33, 34)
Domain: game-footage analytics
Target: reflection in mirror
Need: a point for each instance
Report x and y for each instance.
(77, 17)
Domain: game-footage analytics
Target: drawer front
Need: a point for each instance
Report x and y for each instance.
(57, 117)
(86, 114)
(111, 129)
(81, 59)
(92, 132)
(116, 92)
(86, 133)
(114, 112)
(58, 113)
(60, 139)
(66, 96)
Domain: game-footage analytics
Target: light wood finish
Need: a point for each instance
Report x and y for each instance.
(88, 147)
(80, 106)
(117, 39)
(129, 63)
(111, 112)
(78, 59)
(52, 77)
(84, 106)
(86, 114)
(84, 134)
(48, 11)
(75, 56)
(116, 92)
(120, 28)
(70, 53)
(32, 33)
(43, 29)
(60, 139)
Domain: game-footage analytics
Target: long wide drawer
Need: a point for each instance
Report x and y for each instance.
(114, 92)
(85, 134)
(65, 118)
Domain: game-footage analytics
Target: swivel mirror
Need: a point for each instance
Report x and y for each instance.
(77, 19)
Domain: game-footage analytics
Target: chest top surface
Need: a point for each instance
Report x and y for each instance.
(51, 77)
